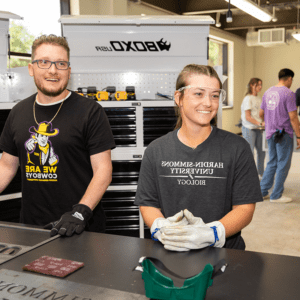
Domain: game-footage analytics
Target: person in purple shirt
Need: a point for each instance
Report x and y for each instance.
(279, 111)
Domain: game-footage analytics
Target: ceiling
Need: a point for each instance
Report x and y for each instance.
(286, 12)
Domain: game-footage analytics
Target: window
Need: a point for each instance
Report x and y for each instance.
(220, 53)
(39, 17)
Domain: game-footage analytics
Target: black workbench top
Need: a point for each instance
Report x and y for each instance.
(109, 260)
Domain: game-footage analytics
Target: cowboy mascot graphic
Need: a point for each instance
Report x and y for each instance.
(39, 148)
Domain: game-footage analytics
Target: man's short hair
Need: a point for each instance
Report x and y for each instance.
(50, 39)
(284, 74)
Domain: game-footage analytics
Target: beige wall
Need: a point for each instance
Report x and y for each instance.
(138, 9)
(243, 70)
(261, 62)
(114, 7)
(269, 61)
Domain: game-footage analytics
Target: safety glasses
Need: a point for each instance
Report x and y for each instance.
(196, 93)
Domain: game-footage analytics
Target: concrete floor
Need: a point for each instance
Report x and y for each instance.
(275, 227)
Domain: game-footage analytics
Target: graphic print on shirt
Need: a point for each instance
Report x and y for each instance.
(191, 173)
(272, 100)
(41, 158)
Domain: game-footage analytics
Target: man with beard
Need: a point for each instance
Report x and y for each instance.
(63, 194)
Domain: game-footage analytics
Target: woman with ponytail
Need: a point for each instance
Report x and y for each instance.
(252, 123)
(198, 184)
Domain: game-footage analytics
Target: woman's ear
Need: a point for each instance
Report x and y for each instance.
(177, 98)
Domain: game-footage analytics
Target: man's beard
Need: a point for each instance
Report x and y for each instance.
(51, 93)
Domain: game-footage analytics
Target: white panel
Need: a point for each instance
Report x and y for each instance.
(7, 105)
(137, 20)
(146, 84)
(21, 85)
(3, 62)
(137, 64)
(121, 51)
(3, 42)
(8, 15)
(122, 188)
(132, 41)
(10, 196)
(131, 48)
(4, 25)
(4, 93)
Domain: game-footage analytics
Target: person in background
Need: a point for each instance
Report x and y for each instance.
(279, 111)
(298, 98)
(198, 184)
(62, 142)
(251, 121)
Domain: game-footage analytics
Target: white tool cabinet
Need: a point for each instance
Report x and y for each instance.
(9, 210)
(145, 52)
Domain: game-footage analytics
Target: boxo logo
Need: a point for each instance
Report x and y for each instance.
(136, 46)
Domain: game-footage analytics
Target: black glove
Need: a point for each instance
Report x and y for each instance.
(72, 221)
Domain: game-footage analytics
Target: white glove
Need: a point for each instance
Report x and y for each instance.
(195, 235)
(158, 223)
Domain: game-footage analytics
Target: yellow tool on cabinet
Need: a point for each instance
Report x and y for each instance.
(106, 94)
(130, 90)
(80, 91)
(120, 95)
(128, 94)
(91, 92)
(102, 96)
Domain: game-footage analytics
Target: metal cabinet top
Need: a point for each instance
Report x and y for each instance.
(137, 20)
(8, 15)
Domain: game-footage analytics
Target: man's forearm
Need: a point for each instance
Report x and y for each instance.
(8, 169)
(96, 189)
(102, 175)
(295, 125)
(238, 218)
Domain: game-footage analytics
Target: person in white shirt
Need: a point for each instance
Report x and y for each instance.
(252, 123)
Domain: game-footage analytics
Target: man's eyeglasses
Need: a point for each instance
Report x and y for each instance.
(199, 93)
(46, 64)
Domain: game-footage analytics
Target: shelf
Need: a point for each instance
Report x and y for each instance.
(7, 105)
(10, 196)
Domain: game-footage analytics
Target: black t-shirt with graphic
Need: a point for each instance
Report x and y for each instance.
(55, 157)
(208, 181)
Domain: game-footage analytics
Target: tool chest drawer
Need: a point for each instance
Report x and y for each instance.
(122, 216)
(3, 117)
(10, 210)
(157, 122)
(125, 172)
(122, 121)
